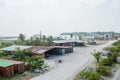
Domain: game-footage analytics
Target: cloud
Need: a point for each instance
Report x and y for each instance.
(16, 3)
(56, 16)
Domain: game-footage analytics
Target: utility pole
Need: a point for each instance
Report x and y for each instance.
(40, 36)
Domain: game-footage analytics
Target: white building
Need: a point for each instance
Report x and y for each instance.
(68, 37)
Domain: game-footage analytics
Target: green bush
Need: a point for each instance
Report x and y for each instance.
(104, 70)
(116, 43)
(35, 62)
(1, 53)
(107, 62)
(21, 55)
(114, 57)
(97, 56)
(87, 76)
(94, 76)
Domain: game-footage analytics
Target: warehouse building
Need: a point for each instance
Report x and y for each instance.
(11, 49)
(46, 51)
(43, 51)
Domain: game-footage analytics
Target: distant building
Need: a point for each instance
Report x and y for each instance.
(69, 43)
(8, 39)
(85, 35)
(69, 37)
(86, 38)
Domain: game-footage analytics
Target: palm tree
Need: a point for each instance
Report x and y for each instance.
(71, 35)
(44, 37)
(49, 40)
(79, 36)
(35, 62)
(119, 35)
(22, 37)
(107, 36)
(113, 36)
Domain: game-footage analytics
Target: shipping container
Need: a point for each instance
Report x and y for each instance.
(68, 50)
(6, 69)
(18, 67)
(56, 51)
(71, 49)
(12, 70)
(63, 51)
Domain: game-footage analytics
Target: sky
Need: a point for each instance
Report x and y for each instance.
(53, 17)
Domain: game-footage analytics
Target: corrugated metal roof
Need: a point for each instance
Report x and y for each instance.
(37, 48)
(40, 51)
(67, 41)
(14, 47)
(43, 49)
(5, 64)
(63, 46)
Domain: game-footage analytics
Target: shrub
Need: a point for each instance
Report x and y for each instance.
(107, 62)
(97, 56)
(94, 76)
(35, 62)
(104, 70)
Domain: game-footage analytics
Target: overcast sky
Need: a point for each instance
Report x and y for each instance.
(53, 17)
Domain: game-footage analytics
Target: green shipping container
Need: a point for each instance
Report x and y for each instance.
(69, 50)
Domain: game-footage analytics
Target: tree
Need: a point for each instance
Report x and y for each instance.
(31, 38)
(49, 40)
(119, 35)
(35, 62)
(1, 53)
(107, 62)
(21, 54)
(44, 37)
(71, 35)
(58, 38)
(114, 57)
(87, 76)
(22, 37)
(107, 36)
(79, 36)
(97, 55)
(94, 76)
(104, 70)
(5, 44)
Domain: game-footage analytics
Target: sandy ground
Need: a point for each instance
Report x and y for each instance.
(72, 63)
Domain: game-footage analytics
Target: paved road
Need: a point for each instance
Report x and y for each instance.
(73, 63)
